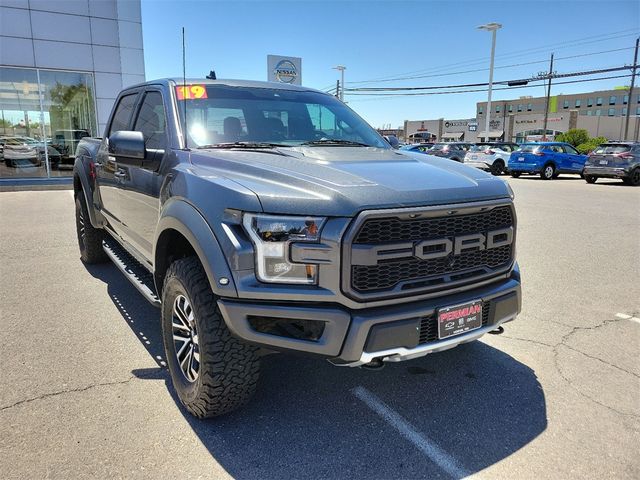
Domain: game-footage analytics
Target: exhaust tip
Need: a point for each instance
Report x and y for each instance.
(375, 364)
(497, 331)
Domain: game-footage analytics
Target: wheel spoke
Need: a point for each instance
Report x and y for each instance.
(185, 337)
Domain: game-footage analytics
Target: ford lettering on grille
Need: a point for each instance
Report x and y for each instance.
(431, 249)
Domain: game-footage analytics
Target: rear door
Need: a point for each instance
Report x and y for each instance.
(107, 175)
(573, 161)
(140, 184)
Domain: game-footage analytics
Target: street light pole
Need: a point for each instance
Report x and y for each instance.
(341, 68)
(490, 27)
(633, 80)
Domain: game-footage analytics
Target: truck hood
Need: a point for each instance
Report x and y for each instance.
(341, 181)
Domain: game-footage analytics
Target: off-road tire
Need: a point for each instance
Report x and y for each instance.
(515, 174)
(228, 368)
(590, 178)
(548, 172)
(497, 167)
(634, 178)
(89, 238)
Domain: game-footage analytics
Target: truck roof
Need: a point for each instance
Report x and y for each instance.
(227, 82)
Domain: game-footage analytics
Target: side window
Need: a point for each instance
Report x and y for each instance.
(570, 149)
(122, 114)
(152, 122)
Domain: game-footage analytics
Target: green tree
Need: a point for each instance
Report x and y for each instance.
(575, 137)
(591, 145)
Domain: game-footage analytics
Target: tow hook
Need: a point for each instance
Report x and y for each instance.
(375, 364)
(497, 331)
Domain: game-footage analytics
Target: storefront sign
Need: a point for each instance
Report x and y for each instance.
(284, 69)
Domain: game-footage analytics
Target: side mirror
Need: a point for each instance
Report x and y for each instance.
(127, 144)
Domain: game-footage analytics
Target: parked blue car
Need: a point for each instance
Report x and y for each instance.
(548, 159)
(417, 147)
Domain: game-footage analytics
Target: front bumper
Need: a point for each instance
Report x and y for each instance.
(609, 172)
(356, 337)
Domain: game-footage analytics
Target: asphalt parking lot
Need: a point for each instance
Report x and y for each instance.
(83, 390)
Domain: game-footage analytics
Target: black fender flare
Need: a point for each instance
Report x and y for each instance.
(184, 218)
(80, 173)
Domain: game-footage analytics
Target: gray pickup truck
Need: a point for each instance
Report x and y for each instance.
(270, 217)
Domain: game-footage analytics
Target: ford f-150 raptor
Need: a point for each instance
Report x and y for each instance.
(271, 216)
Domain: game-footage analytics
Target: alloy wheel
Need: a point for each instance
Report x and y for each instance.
(185, 338)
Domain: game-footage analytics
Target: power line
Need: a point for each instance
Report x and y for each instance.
(568, 44)
(392, 95)
(502, 82)
(503, 66)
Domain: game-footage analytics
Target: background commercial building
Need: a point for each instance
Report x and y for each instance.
(602, 114)
(62, 64)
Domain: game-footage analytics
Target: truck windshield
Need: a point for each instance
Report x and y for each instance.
(219, 115)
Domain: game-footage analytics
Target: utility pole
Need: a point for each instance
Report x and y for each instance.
(341, 68)
(338, 88)
(490, 27)
(546, 103)
(629, 102)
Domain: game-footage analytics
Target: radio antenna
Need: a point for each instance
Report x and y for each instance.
(184, 90)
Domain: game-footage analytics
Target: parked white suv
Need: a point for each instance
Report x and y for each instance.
(491, 157)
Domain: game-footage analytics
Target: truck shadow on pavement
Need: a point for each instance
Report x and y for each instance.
(474, 402)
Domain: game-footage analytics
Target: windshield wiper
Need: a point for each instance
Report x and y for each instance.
(336, 141)
(243, 145)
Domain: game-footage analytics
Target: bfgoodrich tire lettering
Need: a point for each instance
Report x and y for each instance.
(226, 369)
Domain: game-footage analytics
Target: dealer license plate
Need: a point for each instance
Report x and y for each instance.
(459, 319)
(604, 162)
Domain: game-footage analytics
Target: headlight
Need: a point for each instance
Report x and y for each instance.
(271, 236)
(510, 190)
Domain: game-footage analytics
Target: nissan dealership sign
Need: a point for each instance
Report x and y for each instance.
(284, 69)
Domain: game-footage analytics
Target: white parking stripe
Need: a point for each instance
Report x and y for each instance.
(71, 193)
(430, 449)
(624, 316)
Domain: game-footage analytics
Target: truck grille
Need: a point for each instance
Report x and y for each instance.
(411, 274)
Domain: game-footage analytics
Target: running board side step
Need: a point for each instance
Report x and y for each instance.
(141, 278)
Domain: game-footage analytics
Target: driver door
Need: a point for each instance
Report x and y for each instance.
(108, 175)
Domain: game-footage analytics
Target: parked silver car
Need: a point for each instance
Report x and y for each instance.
(16, 153)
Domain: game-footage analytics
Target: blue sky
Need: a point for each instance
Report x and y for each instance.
(434, 40)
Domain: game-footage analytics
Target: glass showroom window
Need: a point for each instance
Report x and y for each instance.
(44, 115)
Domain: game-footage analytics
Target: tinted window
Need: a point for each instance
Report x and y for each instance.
(520, 107)
(599, 101)
(529, 148)
(570, 149)
(122, 114)
(565, 104)
(529, 107)
(578, 103)
(151, 121)
(590, 102)
(612, 100)
(611, 112)
(611, 149)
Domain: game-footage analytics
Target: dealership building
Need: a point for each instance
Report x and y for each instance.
(602, 114)
(62, 64)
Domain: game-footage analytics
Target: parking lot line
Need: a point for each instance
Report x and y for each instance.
(72, 193)
(624, 316)
(430, 449)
